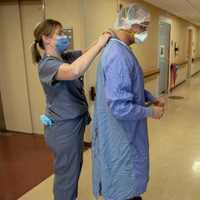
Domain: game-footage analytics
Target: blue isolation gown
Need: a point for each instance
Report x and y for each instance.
(120, 148)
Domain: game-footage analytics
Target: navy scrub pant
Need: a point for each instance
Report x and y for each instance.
(65, 139)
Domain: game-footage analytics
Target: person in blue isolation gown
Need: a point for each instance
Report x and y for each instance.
(120, 147)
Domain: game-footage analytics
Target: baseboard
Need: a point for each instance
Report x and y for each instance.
(195, 74)
(178, 85)
(87, 145)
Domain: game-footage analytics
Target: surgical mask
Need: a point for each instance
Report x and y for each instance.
(62, 43)
(140, 37)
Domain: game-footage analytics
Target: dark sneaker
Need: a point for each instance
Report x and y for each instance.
(137, 198)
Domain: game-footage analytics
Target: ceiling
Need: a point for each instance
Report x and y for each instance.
(186, 9)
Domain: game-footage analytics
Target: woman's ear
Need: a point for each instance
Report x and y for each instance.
(46, 39)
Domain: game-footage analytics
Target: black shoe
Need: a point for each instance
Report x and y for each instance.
(136, 198)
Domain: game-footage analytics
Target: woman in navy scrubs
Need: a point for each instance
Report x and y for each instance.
(66, 114)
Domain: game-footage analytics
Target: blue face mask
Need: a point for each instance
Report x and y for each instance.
(62, 43)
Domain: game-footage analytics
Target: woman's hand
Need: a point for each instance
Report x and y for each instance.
(110, 31)
(103, 39)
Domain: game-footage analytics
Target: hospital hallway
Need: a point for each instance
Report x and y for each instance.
(174, 152)
(152, 43)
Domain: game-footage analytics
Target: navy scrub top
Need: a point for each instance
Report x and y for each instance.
(65, 100)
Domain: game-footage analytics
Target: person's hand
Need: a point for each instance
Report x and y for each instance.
(161, 101)
(157, 112)
(103, 39)
(110, 31)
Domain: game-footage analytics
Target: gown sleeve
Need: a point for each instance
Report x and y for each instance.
(118, 88)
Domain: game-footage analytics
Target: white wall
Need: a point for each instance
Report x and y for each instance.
(70, 14)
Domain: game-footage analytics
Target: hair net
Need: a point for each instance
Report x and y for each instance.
(130, 15)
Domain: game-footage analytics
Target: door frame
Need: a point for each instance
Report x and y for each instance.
(2, 119)
(190, 29)
(168, 21)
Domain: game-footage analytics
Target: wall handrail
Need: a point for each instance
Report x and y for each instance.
(196, 59)
(151, 72)
(182, 64)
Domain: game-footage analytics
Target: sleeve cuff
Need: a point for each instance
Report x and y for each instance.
(149, 112)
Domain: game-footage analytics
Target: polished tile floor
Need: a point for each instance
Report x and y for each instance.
(174, 148)
(21, 158)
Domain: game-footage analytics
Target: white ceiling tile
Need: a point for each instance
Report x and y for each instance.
(195, 4)
(186, 9)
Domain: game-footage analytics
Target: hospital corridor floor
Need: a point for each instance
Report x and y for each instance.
(174, 152)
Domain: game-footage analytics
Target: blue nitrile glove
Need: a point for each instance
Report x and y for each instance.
(45, 120)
